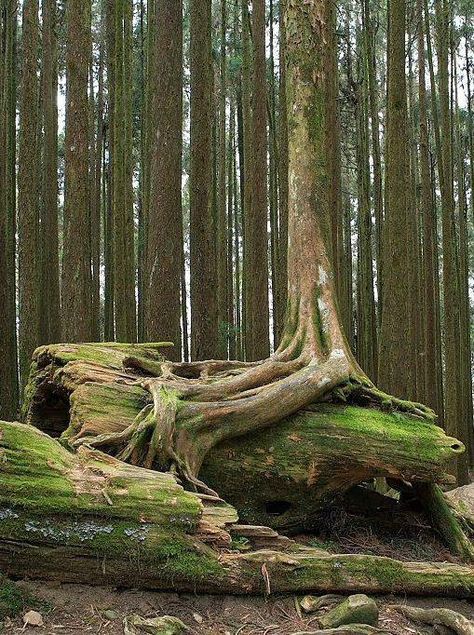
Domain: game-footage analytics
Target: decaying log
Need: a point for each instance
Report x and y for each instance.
(89, 518)
(280, 478)
(437, 616)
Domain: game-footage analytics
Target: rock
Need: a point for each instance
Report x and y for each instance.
(463, 500)
(357, 609)
(33, 618)
(198, 618)
(110, 614)
(166, 625)
(311, 603)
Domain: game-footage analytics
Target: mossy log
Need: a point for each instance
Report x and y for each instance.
(280, 477)
(89, 518)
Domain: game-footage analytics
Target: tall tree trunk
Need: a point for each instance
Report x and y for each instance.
(29, 258)
(465, 406)
(396, 358)
(282, 175)
(123, 222)
(108, 216)
(143, 91)
(366, 316)
(370, 37)
(204, 332)
(50, 293)
(76, 269)
(8, 341)
(257, 342)
(333, 145)
(221, 237)
(433, 376)
(97, 199)
(165, 222)
(454, 422)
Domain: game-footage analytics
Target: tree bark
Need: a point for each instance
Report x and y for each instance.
(165, 223)
(202, 227)
(29, 259)
(8, 340)
(50, 293)
(122, 156)
(396, 375)
(76, 269)
(257, 342)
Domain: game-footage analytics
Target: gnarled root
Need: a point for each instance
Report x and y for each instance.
(443, 617)
(196, 406)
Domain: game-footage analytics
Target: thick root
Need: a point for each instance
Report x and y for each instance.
(442, 617)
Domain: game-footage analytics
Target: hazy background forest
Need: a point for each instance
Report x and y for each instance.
(144, 189)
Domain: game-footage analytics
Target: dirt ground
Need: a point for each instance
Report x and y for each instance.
(74, 609)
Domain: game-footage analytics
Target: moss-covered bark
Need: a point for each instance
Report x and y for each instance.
(300, 465)
(90, 518)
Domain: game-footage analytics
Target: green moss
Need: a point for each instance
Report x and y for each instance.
(42, 477)
(12, 599)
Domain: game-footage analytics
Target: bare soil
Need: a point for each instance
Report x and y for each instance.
(74, 609)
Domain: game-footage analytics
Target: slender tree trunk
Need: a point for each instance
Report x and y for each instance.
(282, 175)
(453, 416)
(465, 406)
(204, 333)
(165, 223)
(277, 318)
(221, 181)
(369, 31)
(76, 269)
(123, 223)
(29, 259)
(366, 315)
(8, 342)
(141, 275)
(470, 124)
(50, 294)
(396, 359)
(97, 201)
(413, 228)
(257, 342)
(431, 336)
(334, 147)
(231, 207)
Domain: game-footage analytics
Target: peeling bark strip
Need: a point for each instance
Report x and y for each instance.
(90, 518)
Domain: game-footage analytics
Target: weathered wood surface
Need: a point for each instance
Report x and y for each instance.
(90, 518)
(281, 476)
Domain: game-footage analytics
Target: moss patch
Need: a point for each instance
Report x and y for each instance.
(12, 599)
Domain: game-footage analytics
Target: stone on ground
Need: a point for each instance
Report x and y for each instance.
(166, 625)
(357, 609)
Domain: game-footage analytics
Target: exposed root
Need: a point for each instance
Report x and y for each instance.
(197, 405)
(438, 616)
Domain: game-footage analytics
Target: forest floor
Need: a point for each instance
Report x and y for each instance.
(74, 609)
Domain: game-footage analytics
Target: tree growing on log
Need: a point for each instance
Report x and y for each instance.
(199, 405)
(182, 421)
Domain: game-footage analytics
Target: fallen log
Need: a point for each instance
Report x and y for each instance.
(90, 518)
(281, 477)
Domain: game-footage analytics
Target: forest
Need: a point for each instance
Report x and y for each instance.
(237, 303)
